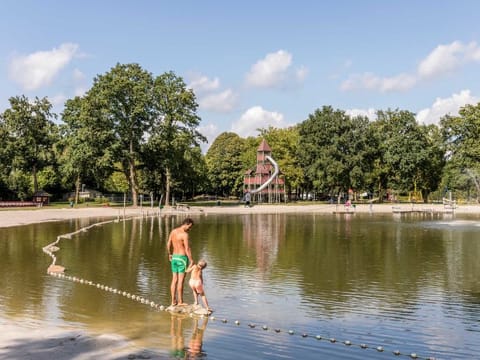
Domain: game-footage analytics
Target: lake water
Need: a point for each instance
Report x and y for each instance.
(277, 282)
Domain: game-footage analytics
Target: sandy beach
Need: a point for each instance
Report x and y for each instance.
(47, 341)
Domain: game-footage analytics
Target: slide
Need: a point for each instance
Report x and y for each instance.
(266, 183)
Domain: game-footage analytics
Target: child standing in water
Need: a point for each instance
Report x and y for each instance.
(196, 282)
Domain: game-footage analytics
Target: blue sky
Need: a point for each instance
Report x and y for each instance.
(252, 63)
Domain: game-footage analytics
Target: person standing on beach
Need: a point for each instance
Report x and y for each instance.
(180, 256)
(248, 198)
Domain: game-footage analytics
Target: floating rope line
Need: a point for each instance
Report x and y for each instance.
(51, 248)
(329, 339)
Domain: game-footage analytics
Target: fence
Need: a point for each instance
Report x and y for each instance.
(17, 203)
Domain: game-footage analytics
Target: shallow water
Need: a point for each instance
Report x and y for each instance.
(403, 282)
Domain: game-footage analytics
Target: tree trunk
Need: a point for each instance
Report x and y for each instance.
(35, 180)
(132, 175)
(77, 189)
(167, 186)
(133, 182)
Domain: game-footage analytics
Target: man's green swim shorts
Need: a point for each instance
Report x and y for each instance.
(179, 263)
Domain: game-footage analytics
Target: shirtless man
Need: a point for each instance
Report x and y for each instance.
(180, 257)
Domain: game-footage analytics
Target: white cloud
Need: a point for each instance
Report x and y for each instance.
(255, 118)
(201, 83)
(79, 82)
(210, 131)
(38, 69)
(204, 87)
(219, 102)
(370, 81)
(301, 73)
(446, 58)
(78, 75)
(443, 59)
(370, 113)
(442, 107)
(274, 70)
(58, 100)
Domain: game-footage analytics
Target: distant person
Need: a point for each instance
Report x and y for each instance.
(248, 198)
(196, 283)
(180, 256)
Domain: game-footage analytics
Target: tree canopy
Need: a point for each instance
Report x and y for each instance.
(136, 132)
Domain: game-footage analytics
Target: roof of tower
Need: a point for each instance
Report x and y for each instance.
(264, 146)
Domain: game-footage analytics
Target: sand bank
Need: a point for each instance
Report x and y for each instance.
(25, 217)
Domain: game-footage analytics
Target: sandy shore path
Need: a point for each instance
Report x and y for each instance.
(24, 217)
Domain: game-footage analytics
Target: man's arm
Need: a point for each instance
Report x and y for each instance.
(169, 245)
(188, 251)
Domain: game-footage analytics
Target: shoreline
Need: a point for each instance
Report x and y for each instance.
(37, 339)
(20, 217)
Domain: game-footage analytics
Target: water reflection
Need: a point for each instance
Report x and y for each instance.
(409, 282)
(263, 233)
(194, 350)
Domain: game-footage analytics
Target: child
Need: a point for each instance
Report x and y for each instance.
(196, 282)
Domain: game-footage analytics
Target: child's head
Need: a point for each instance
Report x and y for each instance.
(202, 264)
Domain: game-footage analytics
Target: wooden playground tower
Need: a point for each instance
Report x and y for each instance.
(255, 179)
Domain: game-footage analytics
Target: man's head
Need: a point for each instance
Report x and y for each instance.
(187, 224)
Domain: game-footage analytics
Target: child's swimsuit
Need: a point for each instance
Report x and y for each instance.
(196, 284)
(179, 263)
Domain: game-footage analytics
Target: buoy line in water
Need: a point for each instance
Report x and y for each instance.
(51, 248)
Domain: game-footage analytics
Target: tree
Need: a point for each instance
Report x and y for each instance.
(408, 153)
(334, 150)
(460, 134)
(225, 165)
(31, 135)
(174, 135)
(86, 145)
(429, 175)
(5, 159)
(124, 98)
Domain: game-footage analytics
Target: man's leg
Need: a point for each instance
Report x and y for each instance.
(173, 288)
(180, 280)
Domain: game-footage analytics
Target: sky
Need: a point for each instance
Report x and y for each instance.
(252, 64)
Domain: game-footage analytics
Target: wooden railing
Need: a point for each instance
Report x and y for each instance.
(17, 203)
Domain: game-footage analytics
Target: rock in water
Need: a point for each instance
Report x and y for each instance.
(188, 309)
(55, 269)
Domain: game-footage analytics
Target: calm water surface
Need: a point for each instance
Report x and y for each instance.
(408, 283)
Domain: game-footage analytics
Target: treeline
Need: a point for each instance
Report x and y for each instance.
(137, 133)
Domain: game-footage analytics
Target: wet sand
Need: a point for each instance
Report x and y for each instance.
(30, 340)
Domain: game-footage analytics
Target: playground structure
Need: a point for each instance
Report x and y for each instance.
(263, 181)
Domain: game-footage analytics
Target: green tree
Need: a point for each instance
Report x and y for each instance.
(32, 134)
(334, 150)
(174, 137)
(408, 153)
(429, 174)
(5, 159)
(86, 151)
(460, 134)
(225, 165)
(124, 97)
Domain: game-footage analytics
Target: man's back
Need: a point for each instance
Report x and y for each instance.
(178, 237)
